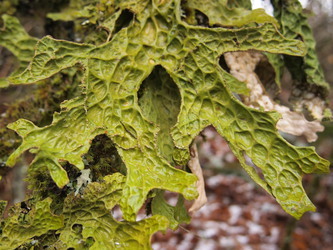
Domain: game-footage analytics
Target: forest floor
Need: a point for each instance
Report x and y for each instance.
(241, 215)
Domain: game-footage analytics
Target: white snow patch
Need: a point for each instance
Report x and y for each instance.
(205, 245)
(315, 217)
(156, 246)
(209, 232)
(304, 3)
(215, 161)
(268, 246)
(274, 237)
(117, 213)
(269, 207)
(255, 215)
(210, 224)
(209, 134)
(254, 228)
(227, 242)
(246, 187)
(256, 4)
(232, 229)
(214, 181)
(186, 244)
(208, 209)
(229, 157)
(173, 241)
(242, 239)
(173, 201)
(140, 217)
(235, 212)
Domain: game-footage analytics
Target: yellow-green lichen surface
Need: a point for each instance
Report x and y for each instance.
(152, 87)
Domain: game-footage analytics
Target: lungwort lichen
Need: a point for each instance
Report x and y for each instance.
(151, 86)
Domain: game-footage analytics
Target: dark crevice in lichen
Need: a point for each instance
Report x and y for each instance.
(103, 158)
(8, 62)
(266, 75)
(161, 91)
(123, 20)
(194, 16)
(60, 29)
(223, 64)
(41, 186)
(202, 19)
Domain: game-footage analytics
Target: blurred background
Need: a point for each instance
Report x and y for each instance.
(239, 214)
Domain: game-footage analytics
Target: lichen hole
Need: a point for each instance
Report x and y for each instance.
(159, 100)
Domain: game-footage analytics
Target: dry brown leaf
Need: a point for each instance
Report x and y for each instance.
(195, 167)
